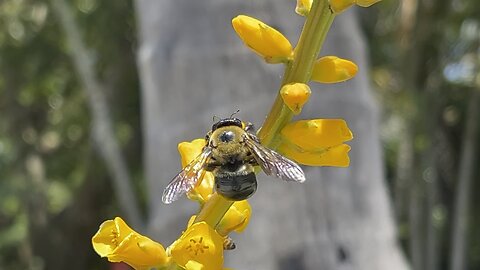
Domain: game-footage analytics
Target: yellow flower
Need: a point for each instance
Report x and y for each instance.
(236, 219)
(188, 152)
(338, 6)
(199, 243)
(303, 7)
(295, 95)
(331, 69)
(317, 142)
(119, 243)
(263, 39)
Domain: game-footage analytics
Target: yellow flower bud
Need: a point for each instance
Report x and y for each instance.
(236, 219)
(295, 95)
(119, 243)
(366, 3)
(339, 6)
(201, 244)
(303, 7)
(317, 142)
(263, 39)
(188, 152)
(331, 69)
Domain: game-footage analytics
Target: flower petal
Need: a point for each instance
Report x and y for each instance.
(331, 156)
(331, 69)
(119, 243)
(140, 252)
(317, 133)
(193, 265)
(236, 219)
(188, 152)
(263, 39)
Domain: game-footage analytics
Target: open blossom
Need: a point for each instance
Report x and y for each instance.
(317, 142)
(200, 244)
(119, 243)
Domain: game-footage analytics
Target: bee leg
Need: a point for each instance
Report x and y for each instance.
(250, 128)
(228, 243)
(250, 159)
(211, 164)
(207, 136)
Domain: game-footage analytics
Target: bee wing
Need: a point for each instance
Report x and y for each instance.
(186, 180)
(273, 163)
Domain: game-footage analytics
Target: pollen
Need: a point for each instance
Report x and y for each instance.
(114, 236)
(196, 246)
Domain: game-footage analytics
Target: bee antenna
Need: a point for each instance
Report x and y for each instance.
(231, 116)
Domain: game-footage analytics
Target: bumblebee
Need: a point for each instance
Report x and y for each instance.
(231, 154)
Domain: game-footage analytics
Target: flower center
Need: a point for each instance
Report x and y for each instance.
(196, 246)
(114, 236)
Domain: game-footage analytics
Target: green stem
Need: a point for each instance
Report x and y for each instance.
(214, 210)
(313, 35)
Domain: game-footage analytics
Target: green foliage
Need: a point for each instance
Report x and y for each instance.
(45, 148)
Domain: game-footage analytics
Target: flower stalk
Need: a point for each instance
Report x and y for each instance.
(299, 70)
(214, 210)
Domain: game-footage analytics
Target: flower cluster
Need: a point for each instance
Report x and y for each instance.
(315, 142)
(199, 247)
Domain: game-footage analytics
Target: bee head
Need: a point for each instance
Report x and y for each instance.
(227, 122)
(225, 132)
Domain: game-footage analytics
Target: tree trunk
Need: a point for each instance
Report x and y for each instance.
(192, 67)
(463, 192)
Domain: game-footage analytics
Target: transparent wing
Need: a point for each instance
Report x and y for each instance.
(187, 178)
(273, 163)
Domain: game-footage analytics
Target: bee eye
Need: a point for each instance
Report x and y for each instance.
(226, 136)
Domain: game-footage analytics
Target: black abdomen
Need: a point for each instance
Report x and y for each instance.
(235, 182)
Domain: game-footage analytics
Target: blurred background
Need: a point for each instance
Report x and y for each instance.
(95, 95)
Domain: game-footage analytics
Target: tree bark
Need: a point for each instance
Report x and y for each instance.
(192, 66)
